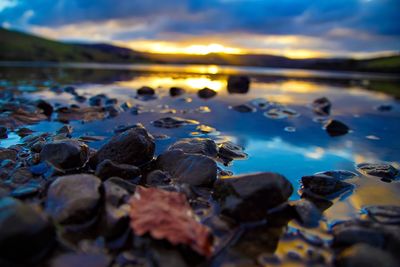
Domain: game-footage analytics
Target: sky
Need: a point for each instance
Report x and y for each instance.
(293, 28)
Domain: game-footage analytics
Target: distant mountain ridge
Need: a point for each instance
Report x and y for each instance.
(19, 46)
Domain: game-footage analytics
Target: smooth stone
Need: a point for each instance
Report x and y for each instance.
(385, 171)
(384, 107)
(244, 108)
(339, 174)
(107, 169)
(206, 93)
(193, 169)
(238, 84)
(363, 255)
(3, 132)
(80, 98)
(74, 199)
(336, 128)
(203, 146)
(65, 154)
(173, 122)
(6, 153)
(324, 185)
(146, 90)
(385, 214)
(25, 232)
(322, 106)
(96, 100)
(134, 146)
(249, 197)
(307, 213)
(45, 106)
(176, 91)
(229, 151)
(158, 178)
(70, 90)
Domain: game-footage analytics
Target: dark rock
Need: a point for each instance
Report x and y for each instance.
(70, 90)
(385, 171)
(21, 175)
(45, 106)
(336, 128)
(66, 130)
(22, 132)
(192, 169)
(384, 214)
(206, 93)
(229, 151)
(107, 169)
(157, 177)
(134, 146)
(173, 122)
(27, 190)
(244, 108)
(115, 194)
(80, 98)
(322, 106)
(81, 259)
(204, 146)
(324, 185)
(111, 101)
(339, 174)
(6, 153)
(146, 90)
(307, 213)
(362, 255)
(238, 84)
(3, 132)
(25, 233)
(126, 185)
(248, 197)
(74, 199)
(384, 107)
(65, 154)
(96, 100)
(176, 91)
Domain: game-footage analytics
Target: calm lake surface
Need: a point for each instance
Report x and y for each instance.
(293, 146)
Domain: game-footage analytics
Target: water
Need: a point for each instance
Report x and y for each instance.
(294, 146)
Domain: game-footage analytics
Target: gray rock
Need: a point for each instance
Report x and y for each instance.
(74, 199)
(204, 146)
(25, 232)
(386, 214)
(206, 93)
(134, 146)
(192, 169)
(107, 169)
(307, 213)
(238, 84)
(65, 154)
(362, 255)
(324, 185)
(336, 128)
(248, 197)
(385, 171)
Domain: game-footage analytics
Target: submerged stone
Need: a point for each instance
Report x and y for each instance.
(134, 146)
(244, 108)
(3, 132)
(249, 197)
(336, 128)
(193, 169)
(204, 146)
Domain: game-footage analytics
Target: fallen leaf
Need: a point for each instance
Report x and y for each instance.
(168, 215)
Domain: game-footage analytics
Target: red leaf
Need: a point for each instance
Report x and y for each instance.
(168, 215)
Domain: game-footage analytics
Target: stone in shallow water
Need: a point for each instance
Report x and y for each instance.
(134, 146)
(193, 169)
(244, 108)
(308, 214)
(385, 171)
(205, 129)
(238, 84)
(45, 106)
(176, 91)
(260, 103)
(339, 174)
(229, 151)
(322, 106)
(107, 169)
(146, 90)
(362, 255)
(206, 93)
(336, 128)
(204, 146)
(324, 185)
(384, 107)
(3, 132)
(248, 197)
(25, 232)
(281, 112)
(173, 122)
(386, 214)
(65, 154)
(6, 153)
(74, 199)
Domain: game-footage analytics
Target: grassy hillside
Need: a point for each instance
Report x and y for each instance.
(17, 46)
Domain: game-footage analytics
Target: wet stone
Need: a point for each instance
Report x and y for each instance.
(307, 213)
(22, 132)
(157, 178)
(362, 255)
(322, 106)
(74, 199)
(6, 153)
(176, 91)
(65, 154)
(229, 151)
(324, 185)
(134, 146)
(336, 128)
(205, 129)
(70, 90)
(107, 169)
(96, 100)
(238, 84)
(385, 171)
(173, 122)
(193, 169)
(3, 132)
(45, 106)
(281, 112)
(202, 146)
(385, 214)
(66, 130)
(25, 233)
(248, 197)
(146, 90)
(244, 108)
(206, 93)
(384, 107)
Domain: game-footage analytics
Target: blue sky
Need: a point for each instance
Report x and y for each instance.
(296, 28)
